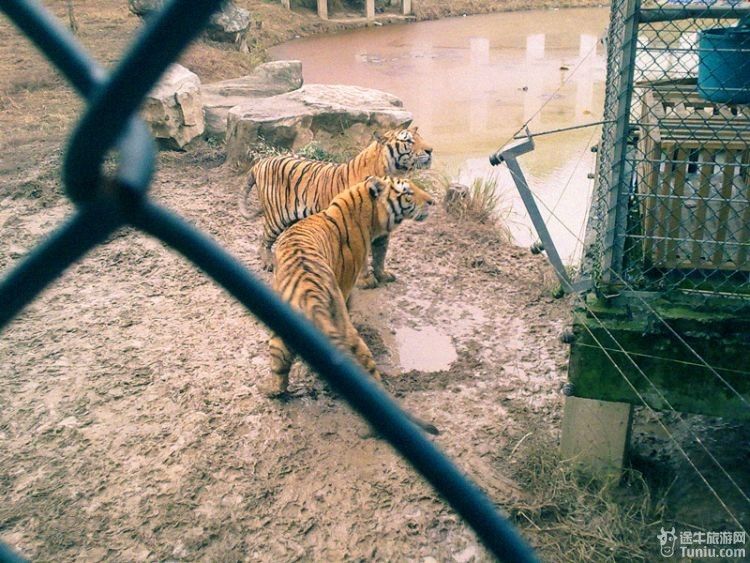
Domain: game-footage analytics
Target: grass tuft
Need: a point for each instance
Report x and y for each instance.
(481, 203)
(577, 517)
(314, 151)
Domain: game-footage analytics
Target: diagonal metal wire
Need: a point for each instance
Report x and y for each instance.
(105, 204)
(622, 11)
(629, 356)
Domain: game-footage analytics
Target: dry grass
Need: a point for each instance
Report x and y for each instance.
(582, 518)
(483, 202)
(432, 181)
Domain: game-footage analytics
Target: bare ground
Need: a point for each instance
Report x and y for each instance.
(131, 427)
(137, 431)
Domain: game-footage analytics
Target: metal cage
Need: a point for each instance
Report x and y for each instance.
(671, 205)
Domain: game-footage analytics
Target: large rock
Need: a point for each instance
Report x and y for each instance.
(145, 7)
(319, 112)
(229, 25)
(269, 79)
(174, 109)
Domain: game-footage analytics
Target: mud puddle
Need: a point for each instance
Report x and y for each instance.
(424, 349)
(429, 344)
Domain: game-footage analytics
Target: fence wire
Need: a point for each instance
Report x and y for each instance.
(671, 207)
(104, 204)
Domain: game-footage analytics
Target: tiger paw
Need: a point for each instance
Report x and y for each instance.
(367, 282)
(384, 276)
(273, 388)
(266, 261)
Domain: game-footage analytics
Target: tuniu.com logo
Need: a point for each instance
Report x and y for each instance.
(699, 544)
(667, 541)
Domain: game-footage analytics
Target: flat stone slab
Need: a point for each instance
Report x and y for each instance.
(316, 112)
(269, 79)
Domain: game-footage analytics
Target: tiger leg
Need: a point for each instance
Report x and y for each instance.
(361, 352)
(379, 274)
(364, 357)
(337, 326)
(281, 362)
(264, 251)
(379, 250)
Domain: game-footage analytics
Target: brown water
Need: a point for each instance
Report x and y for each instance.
(472, 82)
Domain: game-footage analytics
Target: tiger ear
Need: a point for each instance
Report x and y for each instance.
(378, 137)
(375, 186)
(414, 129)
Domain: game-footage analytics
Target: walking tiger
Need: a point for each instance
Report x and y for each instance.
(318, 260)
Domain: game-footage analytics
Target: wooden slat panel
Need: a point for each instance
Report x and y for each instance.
(743, 236)
(704, 191)
(745, 171)
(676, 205)
(661, 206)
(650, 179)
(685, 124)
(727, 185)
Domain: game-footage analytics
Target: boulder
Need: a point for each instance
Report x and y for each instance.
(173, 109)
(229, 25)
(269, 79)
(143, 8)
(323, 113)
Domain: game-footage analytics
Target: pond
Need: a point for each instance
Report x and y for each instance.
(471, 82)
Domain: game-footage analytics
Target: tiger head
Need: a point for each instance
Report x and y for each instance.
(397, 199)
(404, 150)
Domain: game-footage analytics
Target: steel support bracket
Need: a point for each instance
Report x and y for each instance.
(509, 156)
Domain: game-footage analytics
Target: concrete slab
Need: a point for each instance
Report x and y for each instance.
(596, 433)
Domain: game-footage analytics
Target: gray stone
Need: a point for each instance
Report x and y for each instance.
(145, 7)
(269, 79)
(173, 109)
(595, 434)
(229, 25)
(455, 196)
(323, 113)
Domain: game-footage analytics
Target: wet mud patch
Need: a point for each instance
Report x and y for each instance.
(426, 349)
(371, 335)
(463, 369)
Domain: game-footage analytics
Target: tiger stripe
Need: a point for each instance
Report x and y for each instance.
(291, 188)
(318, 260)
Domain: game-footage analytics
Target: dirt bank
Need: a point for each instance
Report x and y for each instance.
(275, 24)
(133, 429)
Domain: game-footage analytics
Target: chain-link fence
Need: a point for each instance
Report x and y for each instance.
(105, 204)
(671, 208)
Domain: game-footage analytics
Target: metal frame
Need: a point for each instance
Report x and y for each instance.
(653, 49)
(510, 157)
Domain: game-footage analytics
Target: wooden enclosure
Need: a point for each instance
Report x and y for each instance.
(693, 179)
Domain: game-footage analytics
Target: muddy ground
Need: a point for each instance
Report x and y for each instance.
(138, 432)
(131, 426)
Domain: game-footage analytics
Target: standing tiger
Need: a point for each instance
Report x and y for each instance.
(318, 260)
(290, 188)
